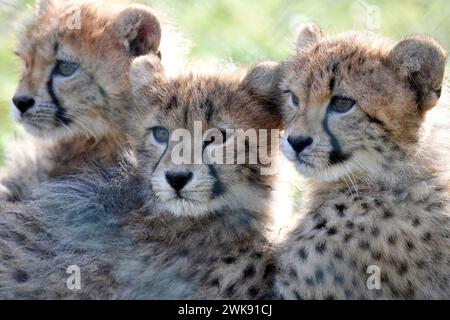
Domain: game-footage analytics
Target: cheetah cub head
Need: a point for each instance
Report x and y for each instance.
(353, 100)
(187, 132)
(76, 57)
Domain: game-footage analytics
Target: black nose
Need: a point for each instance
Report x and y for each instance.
(299, 143)
(178, 180)
(23, 103)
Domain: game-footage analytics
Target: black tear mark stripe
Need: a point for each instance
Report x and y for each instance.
(336, 154)
(61, 114)
(160, 158)
(333, 140)
(218, 187)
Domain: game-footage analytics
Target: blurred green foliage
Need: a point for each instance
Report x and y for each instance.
(244, 31)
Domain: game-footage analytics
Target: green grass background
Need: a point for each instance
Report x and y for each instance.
(241, 31)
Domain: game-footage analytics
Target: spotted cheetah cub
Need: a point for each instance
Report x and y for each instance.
(73, 92)
(376, 222)
(215, 231)
(204, 230)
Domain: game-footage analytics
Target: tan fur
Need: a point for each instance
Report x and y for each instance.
(131, 235)
(225, 209)
(367, 65)
(90, 124)
(382, 201)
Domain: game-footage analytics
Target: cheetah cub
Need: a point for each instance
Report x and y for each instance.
(215, 231)
(376, 222)
(204, 229)
(72, 97)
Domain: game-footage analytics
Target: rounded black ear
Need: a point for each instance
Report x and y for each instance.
(139, 29)
(263, 78)
(308, 35)
(420, 60)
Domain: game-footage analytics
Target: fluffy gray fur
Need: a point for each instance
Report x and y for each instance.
(78, 221)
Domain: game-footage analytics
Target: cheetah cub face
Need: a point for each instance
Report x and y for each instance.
(76, 56)
(352, 100)
(181, 107)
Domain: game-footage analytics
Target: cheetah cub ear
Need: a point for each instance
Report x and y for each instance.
(139, 29)
(263, 78)
(308, 35)
(146, 73)
(420, 60)
(44, 6)
(146, 80)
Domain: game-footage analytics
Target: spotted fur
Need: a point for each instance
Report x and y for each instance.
(384, 202)
(223, 209)
(118, 225)
(78, 221)
(82, 117)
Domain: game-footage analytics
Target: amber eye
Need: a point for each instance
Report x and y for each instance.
(66, 68)
(160, 135)
(341, 104)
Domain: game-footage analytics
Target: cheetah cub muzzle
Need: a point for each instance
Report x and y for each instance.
(375, 224)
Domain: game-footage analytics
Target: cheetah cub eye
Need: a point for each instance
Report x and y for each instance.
(342, 105)
(293, 100)
(160, 135)
(66, 68)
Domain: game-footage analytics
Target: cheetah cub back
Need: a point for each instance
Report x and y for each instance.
(376, 220)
